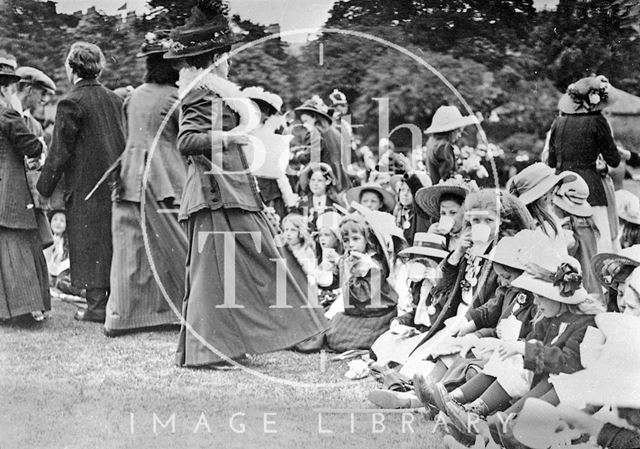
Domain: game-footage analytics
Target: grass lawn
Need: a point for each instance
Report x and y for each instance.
(65, 385)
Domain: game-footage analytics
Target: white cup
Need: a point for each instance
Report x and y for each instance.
(445, 225)
(510, 329)
(480, 233)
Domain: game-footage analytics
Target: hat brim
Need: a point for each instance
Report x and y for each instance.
(171, 54)
(306, 174)
(428, 198)
(461, 123)
(626, 217)
(142, 54)
(423, 251)
(567, 106)
(353, 195)
(313, 111)
(511, 263)
(599, 260)
(581, 210)
(539, 190)
(547, 290)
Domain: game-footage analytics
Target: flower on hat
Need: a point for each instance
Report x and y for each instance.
(594, 98)
(568, 279)
(150, 37)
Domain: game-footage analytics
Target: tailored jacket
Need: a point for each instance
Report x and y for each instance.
(16, 142)
(219, 178)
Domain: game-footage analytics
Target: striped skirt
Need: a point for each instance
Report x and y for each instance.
(136, 299)
(24, 280)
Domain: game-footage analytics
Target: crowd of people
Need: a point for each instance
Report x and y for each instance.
(190, 201)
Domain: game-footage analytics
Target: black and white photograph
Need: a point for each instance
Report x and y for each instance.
(320, 224)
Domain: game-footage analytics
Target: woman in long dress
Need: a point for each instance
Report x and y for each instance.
(24, 282)
(240, 297)
(136, 300)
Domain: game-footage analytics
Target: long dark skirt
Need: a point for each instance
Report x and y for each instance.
(244, 323)
(24, 280)
(136, 300)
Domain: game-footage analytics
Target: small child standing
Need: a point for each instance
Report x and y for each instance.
(57, 255)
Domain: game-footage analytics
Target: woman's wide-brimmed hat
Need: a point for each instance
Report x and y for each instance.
(258, 93)
(428, 198)
(626, 257)
(552, 275)
(513, 251)
(535, 181)
(612, 378)
(156, 42)
(448, 118)
(427, 244)
(354, 194)
(422, 176)
(628, 206)
(205, 31)
(590, 94)
(315, 106)
(572, 196)
(313, 167)
(8, 69)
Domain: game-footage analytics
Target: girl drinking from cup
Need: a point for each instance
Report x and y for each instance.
(443, 205)
(369, 299)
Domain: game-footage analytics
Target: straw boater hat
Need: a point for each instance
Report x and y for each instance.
(626, 257)
(589, 94)
(313, 167)
(315, 106)
(628, 206)
(156, 42)
(572, 196)
(448, 118)
(8, 68)
(428, 198)
(611, 379)
(535, 181)
(552, 275)
(354, 193)
(427, 244)
(258, 93)
(31, 75)
(206, 30)
(422, 176)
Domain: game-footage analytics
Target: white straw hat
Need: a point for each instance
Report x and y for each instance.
(448, 118)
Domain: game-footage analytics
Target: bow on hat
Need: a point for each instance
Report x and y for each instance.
(566, 277)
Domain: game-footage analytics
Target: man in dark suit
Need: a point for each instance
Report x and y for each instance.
(88, 137)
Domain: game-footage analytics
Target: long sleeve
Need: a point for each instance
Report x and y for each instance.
(198, 108)
(558, 358)
(607, 145)
(488, 314)
(613, 437)
(65, 131)
(21, 137)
